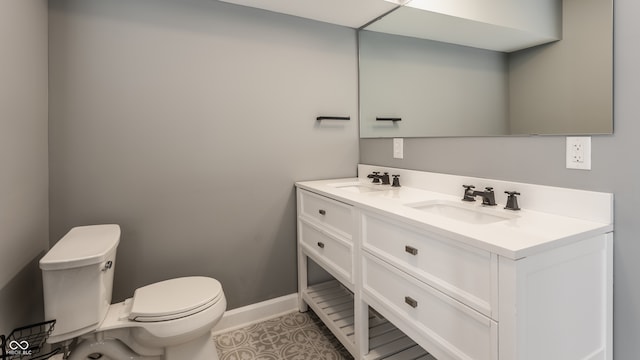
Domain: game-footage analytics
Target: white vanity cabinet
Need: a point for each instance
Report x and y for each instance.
(465, 273)
(536, 285)
(461, 302)
(558, 304)
(436, 290)
(325, 229)
(327, 234)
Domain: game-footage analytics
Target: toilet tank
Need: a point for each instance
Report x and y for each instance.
(77, 278)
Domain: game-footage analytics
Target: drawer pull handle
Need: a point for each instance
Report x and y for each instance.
(320, 245)
(411, 302)
(411, 250)
(322, 212)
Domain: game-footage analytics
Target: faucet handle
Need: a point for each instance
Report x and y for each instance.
(512, 200)
(396, 181)
(468, 193)
(489, 188)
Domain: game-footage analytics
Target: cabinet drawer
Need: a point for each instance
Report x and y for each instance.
(465, 273)
(333, 254)
(430, 317)
(331, 214)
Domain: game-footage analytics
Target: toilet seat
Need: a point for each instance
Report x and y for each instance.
(174, 298)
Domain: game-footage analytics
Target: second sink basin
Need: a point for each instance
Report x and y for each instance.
(468, 213)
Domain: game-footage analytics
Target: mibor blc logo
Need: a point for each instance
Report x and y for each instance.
(19, 347)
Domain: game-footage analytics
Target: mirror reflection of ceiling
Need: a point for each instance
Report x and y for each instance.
(440, 89)
(499, 25)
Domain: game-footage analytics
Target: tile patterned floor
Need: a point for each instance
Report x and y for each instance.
(294, 336)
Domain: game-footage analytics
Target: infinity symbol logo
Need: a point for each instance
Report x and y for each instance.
(22, 345)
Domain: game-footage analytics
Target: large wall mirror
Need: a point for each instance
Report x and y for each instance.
(411, 87)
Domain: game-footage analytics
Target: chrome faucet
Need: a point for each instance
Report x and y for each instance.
(488, 197)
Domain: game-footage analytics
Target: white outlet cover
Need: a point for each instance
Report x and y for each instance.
(398, 148)
(578, 152)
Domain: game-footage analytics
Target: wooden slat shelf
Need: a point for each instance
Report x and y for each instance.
(333, 304)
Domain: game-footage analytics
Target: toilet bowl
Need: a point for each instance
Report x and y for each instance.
(168, 320)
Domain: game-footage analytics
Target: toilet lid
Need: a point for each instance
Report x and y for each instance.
(174, 298)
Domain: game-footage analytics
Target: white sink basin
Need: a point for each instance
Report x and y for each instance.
(468, 213)
(358, 187)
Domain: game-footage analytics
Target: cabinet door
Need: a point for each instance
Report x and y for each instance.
(558, 304)
(467, 274)
(443, 326)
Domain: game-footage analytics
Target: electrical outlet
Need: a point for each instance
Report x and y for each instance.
(578, 152)
(398, 148)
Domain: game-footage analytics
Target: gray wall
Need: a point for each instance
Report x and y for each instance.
(540, 160)
(187, 123)
(23, 160)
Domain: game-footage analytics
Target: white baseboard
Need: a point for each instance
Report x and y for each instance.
(241, 317)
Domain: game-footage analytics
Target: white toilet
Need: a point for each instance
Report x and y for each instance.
(169, 320)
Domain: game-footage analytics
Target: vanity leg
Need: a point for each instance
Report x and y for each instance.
(302, 280)
(361, 309)
(361, 320)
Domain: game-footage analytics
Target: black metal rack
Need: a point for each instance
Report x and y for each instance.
(26, 342)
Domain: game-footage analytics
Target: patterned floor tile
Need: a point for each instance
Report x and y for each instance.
(294, 336)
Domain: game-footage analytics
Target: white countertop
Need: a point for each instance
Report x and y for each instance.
(525, 232)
